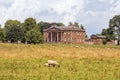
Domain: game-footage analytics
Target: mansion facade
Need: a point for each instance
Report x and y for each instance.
(62, 34)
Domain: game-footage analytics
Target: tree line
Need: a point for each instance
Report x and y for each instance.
(29, 31)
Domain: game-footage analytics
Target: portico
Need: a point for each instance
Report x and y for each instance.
(54, 37)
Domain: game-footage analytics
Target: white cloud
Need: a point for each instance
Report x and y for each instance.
(68, 9)
(21, 9)
(69, 6)
(115, 9)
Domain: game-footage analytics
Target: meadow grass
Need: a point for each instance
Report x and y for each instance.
(78, 62)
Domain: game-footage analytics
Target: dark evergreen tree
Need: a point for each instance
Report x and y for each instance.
(14, 34)
(43, 25)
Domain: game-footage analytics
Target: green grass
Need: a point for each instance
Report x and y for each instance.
(80, 68)
(71, 69)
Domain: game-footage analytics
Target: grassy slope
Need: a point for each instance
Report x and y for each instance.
(78, 62)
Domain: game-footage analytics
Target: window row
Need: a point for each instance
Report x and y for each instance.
(75, 33)
(74, 39)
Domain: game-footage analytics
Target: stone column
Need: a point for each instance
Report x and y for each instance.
(70, 36)
(57, 37)
(51, 36)
(61, 37)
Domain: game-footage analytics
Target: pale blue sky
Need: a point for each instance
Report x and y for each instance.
(93, 14)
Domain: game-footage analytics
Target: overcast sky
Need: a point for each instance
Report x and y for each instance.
(93, 14)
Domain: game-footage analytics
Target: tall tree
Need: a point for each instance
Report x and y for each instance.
(29, 24)
(14, 34)
(10, 25)
(114, 25)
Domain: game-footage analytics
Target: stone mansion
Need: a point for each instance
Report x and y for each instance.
(64, 34)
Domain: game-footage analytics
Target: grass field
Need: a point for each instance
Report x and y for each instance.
(78, 62)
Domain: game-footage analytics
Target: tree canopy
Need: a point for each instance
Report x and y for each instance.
(29, 24)
(28, 31)
(43, 25)
(34, 36)
(82, 27)
(114, 25)
(76, 24)
(11, 23)
(70, 24)
(113, 31)
(14, 34)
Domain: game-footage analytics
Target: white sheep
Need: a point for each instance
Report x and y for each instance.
(52, 63)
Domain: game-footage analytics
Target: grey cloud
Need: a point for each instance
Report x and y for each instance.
(6, 4)
(98, 6)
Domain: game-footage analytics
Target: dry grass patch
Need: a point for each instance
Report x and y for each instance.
(85, 62)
